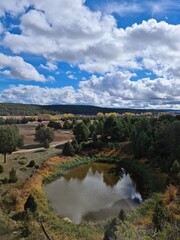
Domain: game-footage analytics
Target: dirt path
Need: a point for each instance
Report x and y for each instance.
(55, 144)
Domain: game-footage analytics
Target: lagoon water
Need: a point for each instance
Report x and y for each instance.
(93, 192)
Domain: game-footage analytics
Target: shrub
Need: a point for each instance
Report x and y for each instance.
(160, 216)
(46, 144)
(5, 180)
(22, 162)
(32, 163)
(122, 215)
(68, 149)
(66, 125)
(76, 146)
(110, 229)
(175, 167)
(30, 204)
(55, 125)
(24, 120)
(12, 176)
(1, 169)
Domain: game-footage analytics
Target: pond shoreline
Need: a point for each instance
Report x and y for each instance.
(93, 192)
(148, 176)
(58, 166)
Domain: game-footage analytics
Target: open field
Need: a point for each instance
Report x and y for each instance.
(28, 131)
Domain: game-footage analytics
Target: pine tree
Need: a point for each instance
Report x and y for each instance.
(68, 149)
(30, 204)
(122, 215)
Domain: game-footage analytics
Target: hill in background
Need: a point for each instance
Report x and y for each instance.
(16, 109)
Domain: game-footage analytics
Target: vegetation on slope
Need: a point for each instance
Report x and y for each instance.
(15, 109)
(150, 147)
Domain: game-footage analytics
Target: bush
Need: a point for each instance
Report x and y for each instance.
(22, 162)
(122, 215)
(24, 120)
(5, 180)
(46, 144)
(66, 125)
(32, 163)
(30, 204)
(39, 126)
(68, 149)
(175, 168)
(55, 125)
(12, 176)
(36, 166)
(110, 229)
(1, 169)
(76, 146)
(160, 216)
(44, 134)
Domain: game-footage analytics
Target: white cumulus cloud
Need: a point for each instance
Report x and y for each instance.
(69, 31)
(16, 67)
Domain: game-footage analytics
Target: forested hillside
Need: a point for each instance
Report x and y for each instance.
(15, 109)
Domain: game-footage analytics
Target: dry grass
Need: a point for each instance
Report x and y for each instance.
(28, 131)
(171, 199)
(35, 182)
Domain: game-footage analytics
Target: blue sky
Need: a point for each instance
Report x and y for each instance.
(110, 53)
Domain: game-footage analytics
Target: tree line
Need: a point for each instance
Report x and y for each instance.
(156, 139)
(16, 109)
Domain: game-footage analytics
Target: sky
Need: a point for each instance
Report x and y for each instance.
(108, 53)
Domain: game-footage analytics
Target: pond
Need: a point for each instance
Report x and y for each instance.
(93, 192)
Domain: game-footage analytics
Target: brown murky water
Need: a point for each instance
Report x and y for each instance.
(93, 192)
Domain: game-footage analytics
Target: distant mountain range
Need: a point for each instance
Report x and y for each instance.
(16, 109)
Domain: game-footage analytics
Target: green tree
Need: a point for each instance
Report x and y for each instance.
(1, 169)
(31, 164)
(142, 145)
(12, 176)
(46, 144)
(30, 204)
(76, 146)
(73, 124)
(122, 215)
(175, 171)
(160, 216)
(54, 124)
(92, 129)
(39, 126)
(10, 139)
(44, 134)
(100, 127)
(109, 124)
(151, 153)
(175, 167)
(66, 124)
(68, 149)
(81, 132)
